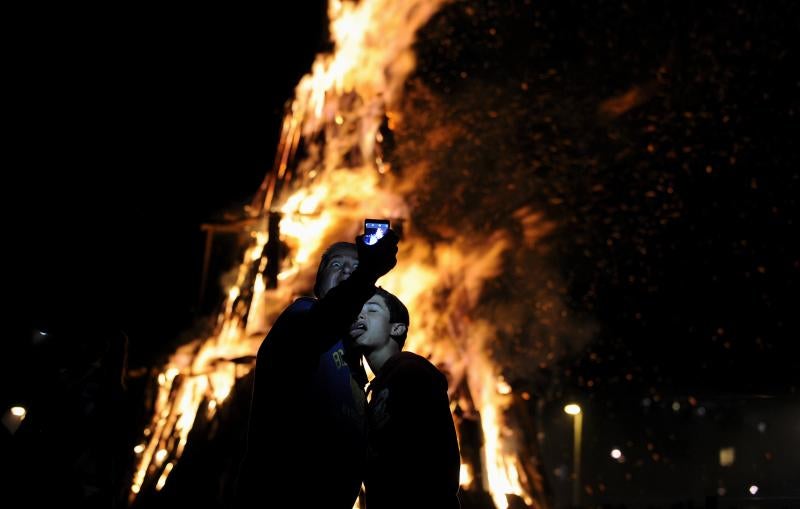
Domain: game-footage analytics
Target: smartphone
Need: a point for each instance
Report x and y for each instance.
(374, 229)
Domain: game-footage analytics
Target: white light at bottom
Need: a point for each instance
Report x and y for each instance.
(753, 489)
(616, 454)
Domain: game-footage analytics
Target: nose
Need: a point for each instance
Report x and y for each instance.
(347, 269)
(362, 315)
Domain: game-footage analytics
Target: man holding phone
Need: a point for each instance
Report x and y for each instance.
(306, 440)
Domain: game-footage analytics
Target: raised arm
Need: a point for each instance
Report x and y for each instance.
(332, 315)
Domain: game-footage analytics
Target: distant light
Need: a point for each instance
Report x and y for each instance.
(38, 337)
(12, 418)
(139, 449)
(727, 455)
(762, 427)
(676, 406)
(616, 454)
(646, 402)
(753, 489)
(572, 409)
(701, 411)
(721, 491)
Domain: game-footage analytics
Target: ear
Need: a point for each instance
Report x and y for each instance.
(398, 329)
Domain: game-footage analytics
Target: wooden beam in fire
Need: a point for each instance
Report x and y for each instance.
(212, 229)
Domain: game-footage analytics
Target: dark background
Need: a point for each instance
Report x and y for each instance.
(126, 130)
(124, 134)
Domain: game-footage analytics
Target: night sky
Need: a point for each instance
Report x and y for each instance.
(677, 213)
(125, 134)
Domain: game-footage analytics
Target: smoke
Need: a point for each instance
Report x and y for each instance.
(468, 182)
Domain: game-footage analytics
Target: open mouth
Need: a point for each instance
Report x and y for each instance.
(358, 329)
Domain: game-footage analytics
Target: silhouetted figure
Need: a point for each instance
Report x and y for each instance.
(413, 458)
(306, 435)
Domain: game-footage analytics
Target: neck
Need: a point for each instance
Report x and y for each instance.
(377, 358)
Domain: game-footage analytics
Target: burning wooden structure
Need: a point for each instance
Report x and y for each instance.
(334, 167)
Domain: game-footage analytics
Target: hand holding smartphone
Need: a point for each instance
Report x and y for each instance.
(376, 258)
(374, 230)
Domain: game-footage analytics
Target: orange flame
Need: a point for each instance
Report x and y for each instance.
(338, 109)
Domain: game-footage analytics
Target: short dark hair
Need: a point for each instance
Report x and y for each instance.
(398, 312)
(326, 258)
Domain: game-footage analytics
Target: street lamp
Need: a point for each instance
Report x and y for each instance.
(574, 410)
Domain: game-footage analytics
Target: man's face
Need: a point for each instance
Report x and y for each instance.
(341, 264)
(371, 329)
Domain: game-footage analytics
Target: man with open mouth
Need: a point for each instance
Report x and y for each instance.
(413, 458)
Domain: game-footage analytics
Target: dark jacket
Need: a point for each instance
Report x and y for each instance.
(413, 458)
(306, 435)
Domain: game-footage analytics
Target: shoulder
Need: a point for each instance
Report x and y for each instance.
(412, 359)
(412, 367)
(288, 323)
(296, 311)
(301, 305)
